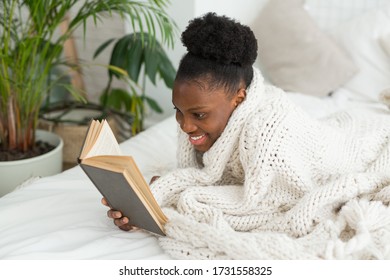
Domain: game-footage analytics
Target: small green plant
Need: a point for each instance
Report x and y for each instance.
(30, 47)
(140, 57)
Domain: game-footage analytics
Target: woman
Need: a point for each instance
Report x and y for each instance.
(250, 161)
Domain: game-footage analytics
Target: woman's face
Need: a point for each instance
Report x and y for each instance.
(203, 114)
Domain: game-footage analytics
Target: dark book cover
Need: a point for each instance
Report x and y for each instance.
(120, 196)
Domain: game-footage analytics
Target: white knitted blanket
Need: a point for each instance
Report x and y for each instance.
(279, 184)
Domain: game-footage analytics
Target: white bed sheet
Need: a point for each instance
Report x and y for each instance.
(61, 217)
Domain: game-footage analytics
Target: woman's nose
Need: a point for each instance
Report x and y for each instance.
(187, 125)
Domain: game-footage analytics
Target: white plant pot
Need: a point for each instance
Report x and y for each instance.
(14, 173)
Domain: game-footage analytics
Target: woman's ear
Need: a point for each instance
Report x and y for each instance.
(240, 96)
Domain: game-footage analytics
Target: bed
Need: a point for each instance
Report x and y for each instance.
(61, 217)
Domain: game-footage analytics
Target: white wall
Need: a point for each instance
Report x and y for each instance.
(95, 75)
(244, 11)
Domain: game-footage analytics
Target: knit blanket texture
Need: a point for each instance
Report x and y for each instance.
(280, 184)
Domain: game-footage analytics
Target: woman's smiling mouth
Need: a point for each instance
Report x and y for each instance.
(198, 140)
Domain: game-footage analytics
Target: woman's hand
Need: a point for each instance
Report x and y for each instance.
(119, 220)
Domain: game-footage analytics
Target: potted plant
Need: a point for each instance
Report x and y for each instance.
(135, 57)
(70, 120)
(30, 47)
(140, 57)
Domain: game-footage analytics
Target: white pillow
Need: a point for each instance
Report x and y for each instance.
(330, 13)
(359, 37)
(295, 54)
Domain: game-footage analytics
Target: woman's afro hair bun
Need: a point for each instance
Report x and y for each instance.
(220, 38)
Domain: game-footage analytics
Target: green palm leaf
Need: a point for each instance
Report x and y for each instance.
(30, 47)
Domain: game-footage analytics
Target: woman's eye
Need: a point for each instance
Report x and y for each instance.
(199, 116)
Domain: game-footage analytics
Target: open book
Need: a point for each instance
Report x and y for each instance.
(118, 179)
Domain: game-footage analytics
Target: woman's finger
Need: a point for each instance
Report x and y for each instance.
(104, 202)
(126, 227)
(114, 214)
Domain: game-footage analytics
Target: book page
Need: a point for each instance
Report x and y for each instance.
(101, 141)
(136, 176)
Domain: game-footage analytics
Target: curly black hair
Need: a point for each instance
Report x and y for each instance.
(220, 50)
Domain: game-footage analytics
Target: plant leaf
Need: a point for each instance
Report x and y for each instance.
(167, 71)
(117, 98)
(117, 58)
(135, 56)
(102, 47)
(153, 104)
(152, 60)
(117, 70)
